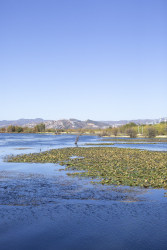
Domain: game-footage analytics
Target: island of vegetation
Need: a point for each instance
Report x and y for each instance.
(112, 166)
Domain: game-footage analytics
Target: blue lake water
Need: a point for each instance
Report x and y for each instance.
(42, 208)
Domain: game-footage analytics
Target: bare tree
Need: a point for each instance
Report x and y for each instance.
(77, 139)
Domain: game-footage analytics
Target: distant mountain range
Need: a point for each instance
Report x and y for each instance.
(139, 121)
(74, 123)
(20, 122)
(59, 124)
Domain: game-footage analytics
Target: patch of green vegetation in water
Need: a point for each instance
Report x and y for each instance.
(94, 144)
(138, 143)
(137, 140)
(133, 142)
(113, 166)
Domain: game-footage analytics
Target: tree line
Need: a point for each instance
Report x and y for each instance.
(130, 129)
(17, 129)
(133, 130)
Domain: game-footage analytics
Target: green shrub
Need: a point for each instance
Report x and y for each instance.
(131, 132)
(151, 132)
(19, 129)
(115, 131)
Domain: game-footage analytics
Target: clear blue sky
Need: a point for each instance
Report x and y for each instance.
(96, 59)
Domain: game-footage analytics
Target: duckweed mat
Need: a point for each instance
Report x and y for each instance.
(113, 166)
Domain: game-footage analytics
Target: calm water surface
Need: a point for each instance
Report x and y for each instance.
(42, 208)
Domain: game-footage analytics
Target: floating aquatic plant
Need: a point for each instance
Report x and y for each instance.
(114, 166)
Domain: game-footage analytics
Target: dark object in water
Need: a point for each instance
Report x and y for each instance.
(77, 139)
(57, 133)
